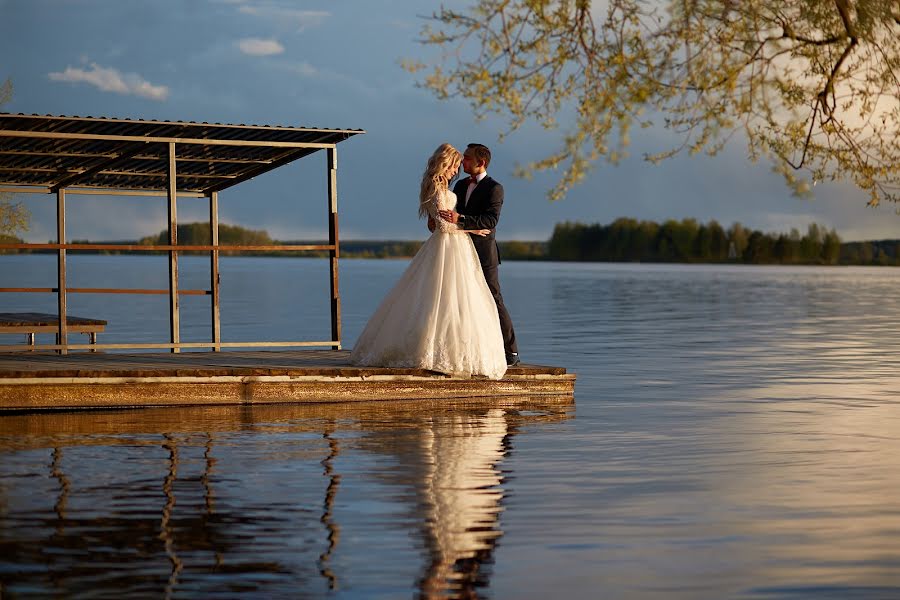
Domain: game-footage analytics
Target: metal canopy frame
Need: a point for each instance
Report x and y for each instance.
(50, 154)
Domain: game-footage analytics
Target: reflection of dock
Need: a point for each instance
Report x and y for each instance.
(258, 499)
(48, 381)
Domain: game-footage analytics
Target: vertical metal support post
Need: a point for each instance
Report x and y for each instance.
(62, 336)
(214, 269)
(334, 253)
(174, 325)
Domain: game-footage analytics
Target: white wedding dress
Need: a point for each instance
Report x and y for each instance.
(440, 315)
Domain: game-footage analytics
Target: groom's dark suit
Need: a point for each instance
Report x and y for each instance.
(482, 211)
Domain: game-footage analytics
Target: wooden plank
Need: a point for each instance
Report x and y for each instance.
(230, 178)
(130, 192)
(174, 321)
(170, 247)
(53, 154)
(214, 269)
(138, 156)
(247, 357)
(172, 346)
(334, 254)
(108, 291)
(187, 124)
(24, 189)
(43, 320)
(135, 291)
(43, 189)
(75, 175)
(62, 335)
(51, 328)
(264, 391)
(262, 363)
(166, 140)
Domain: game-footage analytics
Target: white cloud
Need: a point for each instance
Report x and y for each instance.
(297, 18)
(303, 69)
(260, 47)
(109, 79)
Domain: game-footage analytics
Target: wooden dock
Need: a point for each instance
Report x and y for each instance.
(35, 381)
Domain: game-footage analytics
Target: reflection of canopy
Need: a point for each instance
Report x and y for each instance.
(464, 493)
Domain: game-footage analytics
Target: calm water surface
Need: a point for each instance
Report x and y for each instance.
(735, 434)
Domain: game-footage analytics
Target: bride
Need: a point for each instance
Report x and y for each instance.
(440, 315)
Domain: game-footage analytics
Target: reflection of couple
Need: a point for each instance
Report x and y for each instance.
(462, 493)
(446, 312)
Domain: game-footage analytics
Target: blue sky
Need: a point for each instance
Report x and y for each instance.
(337, 64)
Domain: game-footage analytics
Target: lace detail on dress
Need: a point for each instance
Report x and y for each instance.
(445, 200)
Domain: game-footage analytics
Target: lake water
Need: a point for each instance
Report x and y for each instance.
(735, 434)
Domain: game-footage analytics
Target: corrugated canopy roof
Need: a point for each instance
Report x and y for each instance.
(51, 152)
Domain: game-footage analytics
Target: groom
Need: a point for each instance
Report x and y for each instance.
(479, 199)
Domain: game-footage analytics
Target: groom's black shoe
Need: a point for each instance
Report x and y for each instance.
(512, 359)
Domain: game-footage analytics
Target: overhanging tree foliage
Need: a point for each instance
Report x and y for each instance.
(813, 84)
(14, 217)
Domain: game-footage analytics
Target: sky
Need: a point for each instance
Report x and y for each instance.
(334, 64)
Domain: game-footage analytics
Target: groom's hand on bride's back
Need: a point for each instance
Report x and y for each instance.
(431, 224)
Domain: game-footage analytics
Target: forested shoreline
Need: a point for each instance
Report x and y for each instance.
(688, 241)
(623, 240)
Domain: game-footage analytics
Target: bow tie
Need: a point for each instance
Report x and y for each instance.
(473, 180)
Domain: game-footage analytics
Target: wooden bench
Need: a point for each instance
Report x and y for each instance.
(31, 323)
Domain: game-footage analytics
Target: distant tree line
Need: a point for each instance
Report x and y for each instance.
(687, 241)
(880, 252)
(623, 240)
(198, 234)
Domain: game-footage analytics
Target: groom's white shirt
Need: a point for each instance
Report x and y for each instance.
(471, 187)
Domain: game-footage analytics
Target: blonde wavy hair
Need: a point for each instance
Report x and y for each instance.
(441, 170)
